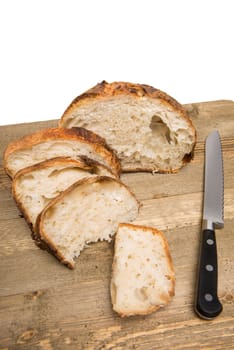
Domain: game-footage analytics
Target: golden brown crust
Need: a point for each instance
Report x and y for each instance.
(83, 162)
(52, 162)
(29, 170)
(47, 245)
(73, 134)
(21, 208)
(95, 166)
(88, 165)
(54, 134)
(40, 235)
(104, 90)
(38, 166)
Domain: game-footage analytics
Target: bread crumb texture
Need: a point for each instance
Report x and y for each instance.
(58, 142)
(88, 211)
(142, 274)
(148, 129)
(35, 186)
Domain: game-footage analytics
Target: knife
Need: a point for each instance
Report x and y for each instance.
(207, 304)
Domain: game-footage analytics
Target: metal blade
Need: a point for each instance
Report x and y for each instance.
(213, 190)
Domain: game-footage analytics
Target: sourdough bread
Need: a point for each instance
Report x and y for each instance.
(149, 130)
(142, 273)
(58, 142)
(89, 210)
(35, 186)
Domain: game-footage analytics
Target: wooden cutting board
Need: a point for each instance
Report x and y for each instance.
(44, 305)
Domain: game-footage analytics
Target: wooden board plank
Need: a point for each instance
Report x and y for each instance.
(43, 305)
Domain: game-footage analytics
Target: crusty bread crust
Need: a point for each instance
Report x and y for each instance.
(82, 162)
(28, 170)
(39, 235)
(171, 292)
(87, 164)
(106, 90)
(51, 162)
(73, 134)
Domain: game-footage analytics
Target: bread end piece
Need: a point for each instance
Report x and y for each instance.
(143, 278)
(160, 138)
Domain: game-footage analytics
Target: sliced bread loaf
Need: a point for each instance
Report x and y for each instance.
(35, 186)
(149, 129)
(58, 142)
(142, 272)
(89, 210)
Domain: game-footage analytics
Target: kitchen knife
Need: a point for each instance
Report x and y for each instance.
(207, 304)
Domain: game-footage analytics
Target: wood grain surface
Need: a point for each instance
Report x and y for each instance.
(44, 305)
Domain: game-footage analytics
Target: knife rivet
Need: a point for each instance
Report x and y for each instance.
(208, 297)
(209, 268)
(210, 241)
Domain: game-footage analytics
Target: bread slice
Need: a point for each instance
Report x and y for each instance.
(89, 210)
(35, 186)
(58, 142)
(149, 129)
(142, 273)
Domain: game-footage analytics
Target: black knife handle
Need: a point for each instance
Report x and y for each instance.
(208, 305)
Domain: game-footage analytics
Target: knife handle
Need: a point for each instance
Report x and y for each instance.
(208, 305)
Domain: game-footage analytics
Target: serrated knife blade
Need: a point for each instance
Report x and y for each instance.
(207, 304)
(213, 189)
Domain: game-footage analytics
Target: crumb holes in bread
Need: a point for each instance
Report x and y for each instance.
(159, 128)
(141, 293)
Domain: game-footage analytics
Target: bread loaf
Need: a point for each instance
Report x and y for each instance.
(58, 142)
(35, 186)
(142, 273)
(89, 210)
(149, 130)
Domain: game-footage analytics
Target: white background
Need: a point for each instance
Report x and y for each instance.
(52, 51)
